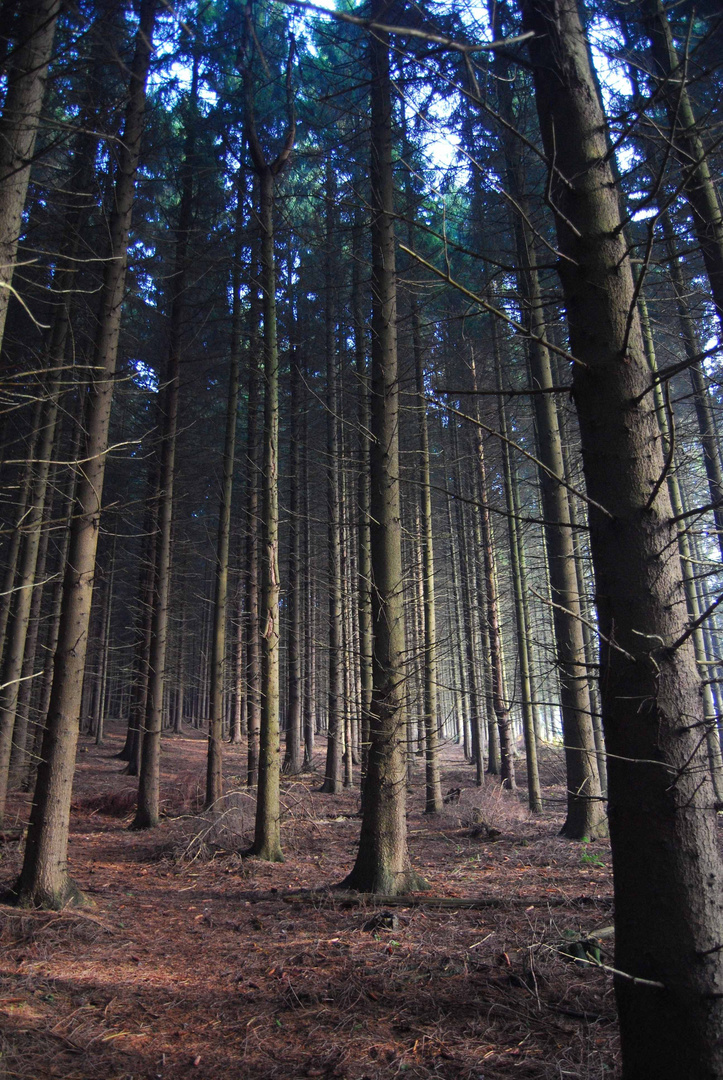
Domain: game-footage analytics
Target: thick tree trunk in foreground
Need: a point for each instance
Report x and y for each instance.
(26, 76)
(666, 867)
(44, 878)
(382, 863)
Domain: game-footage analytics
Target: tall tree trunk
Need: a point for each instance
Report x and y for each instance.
(106, 612)
(382, 863)
(662, 822)
(585, 809)
(267, 833)
(214, 775)
(26, 75)
(309, 702)
(251, 560)
(433, 785)
(293, 760)
(665, 414)
(335, 736)
(519, 584)
(44, 878)
(148, 809)
(499, 693)
(468, 702)
(364, 565)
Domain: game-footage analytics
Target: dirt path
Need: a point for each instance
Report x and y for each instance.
(215, 966)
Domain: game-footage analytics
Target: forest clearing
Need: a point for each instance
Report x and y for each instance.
(194, 962)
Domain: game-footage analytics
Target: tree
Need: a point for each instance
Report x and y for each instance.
(662, 822)
(267, 835)
(26, 75)
(214, 778)
(148, 808)
(335, 738)
(382, 863)
(44, 879)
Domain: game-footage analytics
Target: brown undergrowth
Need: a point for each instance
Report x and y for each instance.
(196, 962)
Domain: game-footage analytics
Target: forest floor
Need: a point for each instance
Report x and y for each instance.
(193, 962)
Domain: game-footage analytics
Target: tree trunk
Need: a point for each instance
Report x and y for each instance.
(335, 736)
(267, 834)
(251, 567)
(293, 760)
(309, 702)
(44, 878)
(585, 810)
(499, 694)
(364, 566)
(433, 785)
(214, 776)
(382, 863)
(662, 822)
(519, 584)
(148, 809)
(26, 75)
(664, 409)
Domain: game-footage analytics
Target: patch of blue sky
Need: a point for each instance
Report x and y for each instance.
(145, 377)
(606, 45)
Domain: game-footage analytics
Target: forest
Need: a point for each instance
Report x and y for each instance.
(361, 529)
